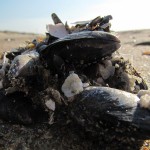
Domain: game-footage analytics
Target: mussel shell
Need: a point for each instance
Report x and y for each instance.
(24, 65)
(110, 106)
(88, 46)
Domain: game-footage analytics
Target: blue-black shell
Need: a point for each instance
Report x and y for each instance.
(111, 106)
(88, 46)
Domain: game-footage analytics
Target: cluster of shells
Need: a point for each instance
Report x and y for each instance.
(22, 70)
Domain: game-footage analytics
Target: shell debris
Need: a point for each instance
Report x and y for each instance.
(72, 85)
(50, 104)
(145, 101)
(22, 64)
(4, 65)
(106, 70)
(144, 96)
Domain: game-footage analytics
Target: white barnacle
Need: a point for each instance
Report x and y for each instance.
(143, 92)
(3, 69)
(106, 70)
(145, 101)
(72, 85)
(144, 96)
(50, 104)
(4, 65)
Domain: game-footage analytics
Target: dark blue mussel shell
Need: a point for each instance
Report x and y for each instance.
(88, 46)
(100, 106)
(92, 109)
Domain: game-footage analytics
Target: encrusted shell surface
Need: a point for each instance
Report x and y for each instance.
(24, 64)
(50, 104)
(106, 70)
(143, 92)
(109, 105)
(145, 101)
(144, 96)
(88, 46)
(72, 85)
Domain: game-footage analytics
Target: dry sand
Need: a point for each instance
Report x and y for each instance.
(10, 40)
(132, 52)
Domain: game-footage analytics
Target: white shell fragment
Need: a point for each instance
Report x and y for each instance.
(106, 70)
(144, 96)
(72, 85)
(85, 85)
(3, 69)
(145, 101)
(23, 65)
(50, 105)
(4, 65)
(143, 92)
(57, 30)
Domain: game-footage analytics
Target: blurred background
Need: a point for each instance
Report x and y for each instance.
(32, 16)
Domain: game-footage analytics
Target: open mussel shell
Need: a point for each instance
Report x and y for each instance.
(88, 46)
(99, 106)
